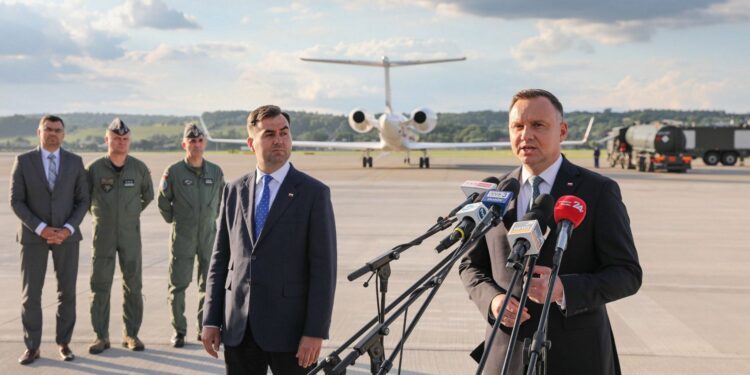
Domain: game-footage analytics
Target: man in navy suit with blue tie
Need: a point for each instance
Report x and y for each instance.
(272, 276)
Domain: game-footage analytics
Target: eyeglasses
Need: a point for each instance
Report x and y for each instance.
(53, 130)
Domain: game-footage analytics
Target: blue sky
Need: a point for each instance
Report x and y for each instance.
(186, 57)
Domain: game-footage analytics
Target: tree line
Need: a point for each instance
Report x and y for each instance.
(18, 131)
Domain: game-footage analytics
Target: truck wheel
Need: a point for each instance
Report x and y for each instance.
(729, 158)
(711, 158)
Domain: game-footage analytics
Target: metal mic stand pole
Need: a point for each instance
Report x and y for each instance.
(380, 267)
(435, 283)
(540, 345)
(530, 264)
(375, 265)
(380, 330)
(517, 272)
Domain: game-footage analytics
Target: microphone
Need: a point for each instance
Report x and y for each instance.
(492, 201)
(469, 216)
(498, 202)
(473, 190)
(527, 236)
(569, 213)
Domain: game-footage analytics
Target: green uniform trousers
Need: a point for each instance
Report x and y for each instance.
(183, 252)
(123, 241)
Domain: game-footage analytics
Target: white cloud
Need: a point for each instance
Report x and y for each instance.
(297, 10)
(145, 14)
(563, 27)
(165, 52)
(673, 89)
(396, 48)
(26, 32)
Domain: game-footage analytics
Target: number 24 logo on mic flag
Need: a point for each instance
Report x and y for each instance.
(577, 205)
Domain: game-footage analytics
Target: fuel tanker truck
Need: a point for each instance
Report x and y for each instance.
(648, 147)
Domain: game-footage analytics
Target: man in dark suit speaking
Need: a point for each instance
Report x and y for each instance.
(50, 194)
(599, 266)
(271, 280)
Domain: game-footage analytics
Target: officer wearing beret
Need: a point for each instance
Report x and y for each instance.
(121, 189)
(189, 196)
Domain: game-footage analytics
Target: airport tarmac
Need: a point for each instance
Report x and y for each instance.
(690, 316)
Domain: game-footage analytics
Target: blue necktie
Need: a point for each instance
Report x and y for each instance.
(261, 212)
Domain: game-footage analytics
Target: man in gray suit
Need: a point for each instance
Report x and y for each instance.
(271, 280)
(49, 193)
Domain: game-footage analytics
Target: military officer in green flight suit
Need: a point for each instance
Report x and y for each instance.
(121, 188)
(189, 196)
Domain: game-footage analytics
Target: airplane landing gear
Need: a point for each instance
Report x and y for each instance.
(367, 160)
(424, 161)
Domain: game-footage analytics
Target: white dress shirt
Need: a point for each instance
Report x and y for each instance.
(45, 163)
(276, 179)
(525, 194)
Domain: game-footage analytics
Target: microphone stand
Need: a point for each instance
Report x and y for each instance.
(435, 284)
(529, 265)
(540, 345)
(374, 337)
(517, 273)
(380, 267)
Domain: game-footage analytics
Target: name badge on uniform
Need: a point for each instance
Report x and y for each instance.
(106, 184)
(187, 182)
(208, 181)
(128, 182)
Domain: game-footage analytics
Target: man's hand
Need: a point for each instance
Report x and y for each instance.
(211, 337)
(509, 318)
(49, 233)
(540, 285)
(61, 235)
(309, 350)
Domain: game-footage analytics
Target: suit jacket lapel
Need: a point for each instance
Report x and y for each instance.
(566, 181)
(39, 166)
(247, 197)
(62, 167)
(281, 202)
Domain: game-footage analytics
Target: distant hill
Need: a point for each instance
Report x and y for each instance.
(159, 132)
(25, 125)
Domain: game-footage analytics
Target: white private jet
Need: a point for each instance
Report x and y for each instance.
(397, 133)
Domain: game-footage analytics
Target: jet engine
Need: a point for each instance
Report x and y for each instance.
(361, 121)
(423, 120)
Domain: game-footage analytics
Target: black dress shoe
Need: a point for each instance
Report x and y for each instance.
(29, 356)
(178, 340)
(65, 353)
